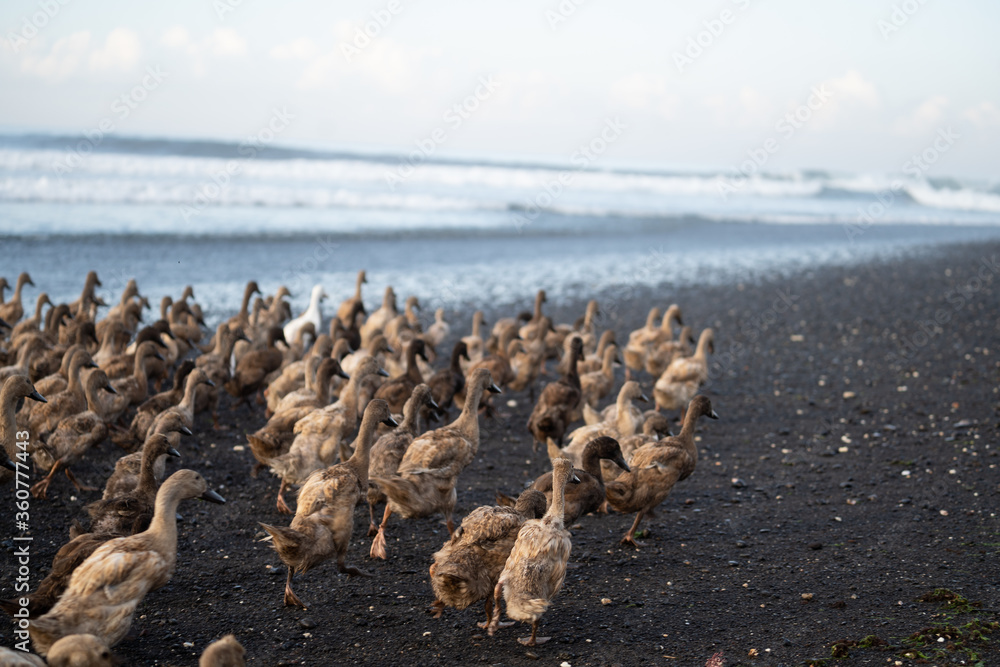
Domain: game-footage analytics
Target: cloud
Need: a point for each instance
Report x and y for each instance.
(925, 118)
(226, 42)
(843, 99)
(302, 48)
(176, 37)
(983, 114)
(644, 92)
(121, 51)
(61, 61)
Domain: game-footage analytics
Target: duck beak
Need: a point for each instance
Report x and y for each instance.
(213, 497)
(493, 388)
(173, 452)
(713, 415)
(110, 389)
(184, 430)
(574, 479)
(434, 406)
(35, 396)
(157, 355)
(342, 374)
(389, 421)
(644, 398)
(209, 382)
(90, 364)
(382, 372)
(620, 462)
(9, 465)
(388, 348)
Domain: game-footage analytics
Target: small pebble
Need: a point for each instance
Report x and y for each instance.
(807, 596)
(307, 623)
(605, 601)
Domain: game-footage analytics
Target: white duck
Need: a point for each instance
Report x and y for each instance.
(313, 314)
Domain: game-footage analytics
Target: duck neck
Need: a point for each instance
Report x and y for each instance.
(573, 374)
(163, 527)
(187, 403)
(17, 290)
(468, 421)
(362, 446)
(73, 383)
(411, 416)
(687, 430)
(8, 402)
(42, 300)
(702, 351)
(557, 510)
(623, 420)
(538, 307)
(357, 287)
(590, 462)
(139, 369)
(477, 322)
(609, 361)
(412, 369)
(456, 360)
(147, 468)
(245, 306)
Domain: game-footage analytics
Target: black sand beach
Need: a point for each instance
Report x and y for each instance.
(852, 474)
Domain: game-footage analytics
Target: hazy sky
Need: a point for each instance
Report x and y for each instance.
(888, 75)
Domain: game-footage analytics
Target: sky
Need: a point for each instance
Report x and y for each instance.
(868, 84)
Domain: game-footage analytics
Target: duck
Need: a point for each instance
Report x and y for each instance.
(127, 514)
(466, 569)
(552, 413)
(637, 348)
(126, 473)
(43, 419)
(536, 568)
(427, 475)
(12, 311)
(324, 518)
(397, 391)
(241, 320)
(439, 331)
(184, 409)
(598, 384)
(655, 427)
(71, 651)
(85, 306)
(131, 513)
(661, 355)
(683, 377)
(149, 410)
(34, 322)
(111, 341)
(344, 310)
(256, 365)
(58, 381)
(225, 652)
(124, 363)
(624, 424)
(374, 349)
(388, 450)
(594, 362)
(295, 374)
(322, 434)
(276, 436)
(105, 590)
(217, 368)
(13, 391)
(534, 327)
(313, 314)
(74, 436)
(30, 350)
(450, 380)
(133, 389)
(474, 341)
(381, 317)
(586, 494)
(497, 364)
(656, 468)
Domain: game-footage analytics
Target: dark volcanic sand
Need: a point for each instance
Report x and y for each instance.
(865, 501)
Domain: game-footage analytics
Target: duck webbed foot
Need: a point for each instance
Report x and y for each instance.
(291, 599)
(79, 487)
(534, 639)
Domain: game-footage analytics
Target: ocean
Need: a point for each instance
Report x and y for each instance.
(454, 232)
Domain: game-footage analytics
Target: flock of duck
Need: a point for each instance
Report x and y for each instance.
(350, 413)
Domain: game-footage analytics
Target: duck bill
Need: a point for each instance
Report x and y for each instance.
(713, 415)
(111, 390)
(9, 465)
(621, 464)
(434, 405)
(213, 497)
(390, 422)
(173, 452)
(35, 396)
(494, 389)
(157, 355)
(382, 372)
(644, 398)
(209, 382)
(184, 430)
(90, 364)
